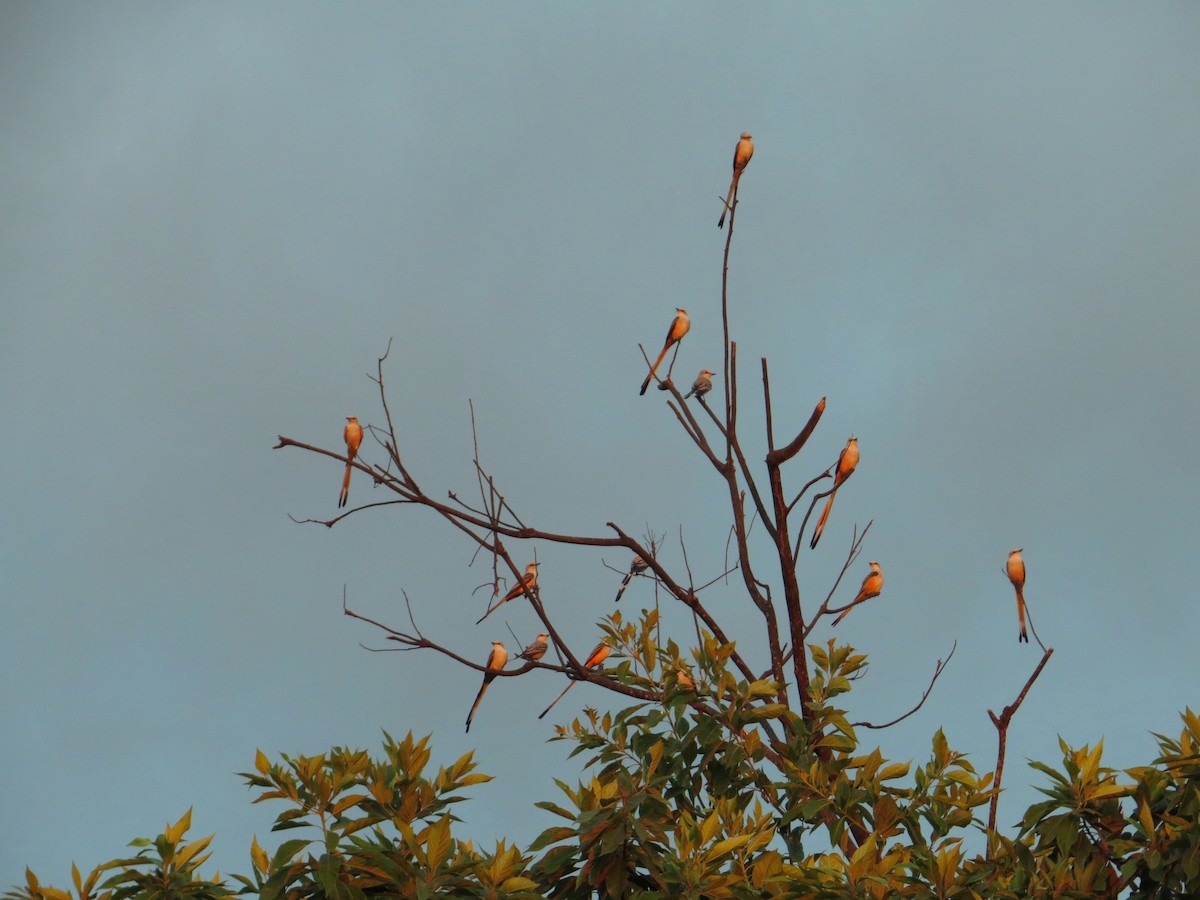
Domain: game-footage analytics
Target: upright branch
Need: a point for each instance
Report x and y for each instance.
(1002, 722)
(783, 547)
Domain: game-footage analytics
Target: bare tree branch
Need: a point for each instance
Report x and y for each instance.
(941, 666)
(1002, 722)
(782, 455)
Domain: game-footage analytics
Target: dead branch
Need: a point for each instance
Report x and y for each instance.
(1002, 722)
(941, 666)
(783, 454)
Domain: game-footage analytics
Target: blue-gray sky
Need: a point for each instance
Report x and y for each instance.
(973, 227)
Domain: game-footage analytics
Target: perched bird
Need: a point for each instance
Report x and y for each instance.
(847, 461)
(537, 649)
(680, 326)
(598, 655)
(528, 582)
(702, 385)
(684, 680)
(741, 155)
(637, 567)
(871, 586)
(1016, 574)
(495, 662)
(353, 435)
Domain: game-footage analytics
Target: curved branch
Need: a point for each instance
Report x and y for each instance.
(783, 454)
(941, 666)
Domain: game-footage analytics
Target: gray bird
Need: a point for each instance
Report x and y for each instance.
(637, 567)
(702, 385)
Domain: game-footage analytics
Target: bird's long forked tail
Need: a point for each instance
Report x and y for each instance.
(556, 699)
(493, 609)
(653, 369)
(344, 496)
(624, 584)
(1024, 636)
(729, 200)
(478, 697)
(845, 612)
(598, 655)
(817, 532)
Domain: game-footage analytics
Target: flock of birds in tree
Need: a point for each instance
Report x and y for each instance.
(872, 584)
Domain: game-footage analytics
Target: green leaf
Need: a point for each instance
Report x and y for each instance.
(518, 883)
(552, 836)
(286, 851)
(328, 867)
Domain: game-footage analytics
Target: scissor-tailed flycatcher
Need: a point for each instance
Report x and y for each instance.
(637, 567)
(1016, 574)
(741, 156)
(845, 468)
(537, 649)
(684, 680)
(598, 655)
(496, 660)
(871, 587)
(702, 385)
(528, 580)
(675, 334)
(353, 435)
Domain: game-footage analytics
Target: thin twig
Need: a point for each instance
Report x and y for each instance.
(941, 666)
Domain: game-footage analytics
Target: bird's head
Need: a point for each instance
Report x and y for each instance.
(351, 418)
(745, 135)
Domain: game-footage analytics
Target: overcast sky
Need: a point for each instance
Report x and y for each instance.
(973, 227)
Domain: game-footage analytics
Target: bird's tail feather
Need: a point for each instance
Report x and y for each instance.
(821, 523)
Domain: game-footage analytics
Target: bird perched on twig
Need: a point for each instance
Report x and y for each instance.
(536, 650)
(637, 567)
(741, 156)
(353, 435)
(847, 461)
(1016, 574)
(680, 326)
(598, 655)
(871, 586)
(702, 385)
(528, 582)
(496, 661)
